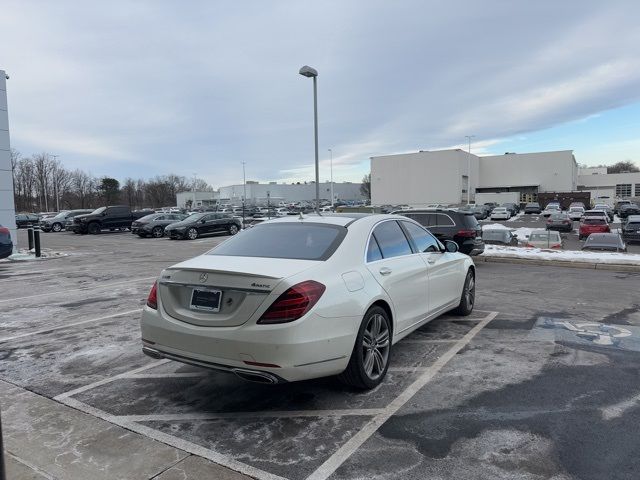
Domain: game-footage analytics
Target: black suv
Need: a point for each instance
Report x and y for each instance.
(199, 224)
(446, 224)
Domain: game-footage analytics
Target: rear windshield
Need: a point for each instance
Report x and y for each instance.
(494, 235)
(299, 241)
(594, 221)
(544, 236)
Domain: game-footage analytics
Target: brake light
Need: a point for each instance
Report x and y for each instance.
(529, 245)
(467, 233)
(152, 299)
(293, 303)
(557, 245)
(4, 230)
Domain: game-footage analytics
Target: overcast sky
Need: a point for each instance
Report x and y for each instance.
(146, 88)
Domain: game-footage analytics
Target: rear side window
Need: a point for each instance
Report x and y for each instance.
(424, 241)
(391, 239)
(442, 220)
(373, 250)
(298, 241)
(469, 221)
(423, 219)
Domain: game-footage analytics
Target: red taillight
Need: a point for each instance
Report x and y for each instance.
(152, 299)
(557, 245)
(293, 303)
(467, 233)
(529, 245)
(4, 230)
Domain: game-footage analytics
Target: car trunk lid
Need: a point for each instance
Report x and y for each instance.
(244, 283)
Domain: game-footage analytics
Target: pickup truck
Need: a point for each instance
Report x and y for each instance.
(106, 218)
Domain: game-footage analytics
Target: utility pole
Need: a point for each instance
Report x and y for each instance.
(244, 185)
(55, 183)
(332, 197)
(193, 191)
(469, 137)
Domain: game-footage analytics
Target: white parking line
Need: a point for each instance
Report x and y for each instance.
(330, 465)
(60, 327)
(99, 287)
(427, 340)
(179, 417)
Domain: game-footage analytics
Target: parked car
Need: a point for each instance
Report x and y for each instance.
(607, 209)
(200, 224)
(513, 208)
(575, 213)
(591, 225)
(596, 214)
(23, 220)
(620, 204)
(551, 209)
(490, 206)
(577, 204)
(277, 292)
(480, 212)
(532, 207)
(6, 244)
(606, 242)
(106, 218)
(153, 225)
(628, 209)
(545, 239)
(560, 221)
(448, 224)
(499, 237)
(59, 222)
(631, 229)
(554, 204)
(500, 213)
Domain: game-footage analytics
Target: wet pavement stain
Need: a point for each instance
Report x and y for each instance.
(565, 405)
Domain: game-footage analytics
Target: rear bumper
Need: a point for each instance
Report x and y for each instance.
(308, 348)
(471, 247)
(633, 237)
(562, 228)
(6, 250)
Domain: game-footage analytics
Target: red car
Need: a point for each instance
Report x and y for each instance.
(593, 225)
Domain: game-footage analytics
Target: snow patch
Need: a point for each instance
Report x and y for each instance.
(562, 255)
(29, 255)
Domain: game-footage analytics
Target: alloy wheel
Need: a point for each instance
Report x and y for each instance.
(470, 292)
(375, 347)
(233, 229)
(192, 234)
(56, 227)
(157, 232)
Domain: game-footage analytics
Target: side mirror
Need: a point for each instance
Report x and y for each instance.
(450, 246)
(203, 221)
(104, 214)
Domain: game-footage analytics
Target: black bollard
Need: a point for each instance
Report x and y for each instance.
(30, 237)
(3, 475)
(36, 241)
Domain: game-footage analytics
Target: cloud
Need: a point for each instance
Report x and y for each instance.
(157, 87)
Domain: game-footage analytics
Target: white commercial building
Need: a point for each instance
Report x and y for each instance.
(444, 176)
(609, 186)
(7, 206)
(260, 193)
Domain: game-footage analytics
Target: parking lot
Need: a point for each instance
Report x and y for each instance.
(539, 382)
(571, 241)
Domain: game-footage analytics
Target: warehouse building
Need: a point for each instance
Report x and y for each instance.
(273, 192)
(609, 185)
(450, 176)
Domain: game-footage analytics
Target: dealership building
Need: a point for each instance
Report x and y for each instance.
(7, 206)
(272, 192)
(450, 176)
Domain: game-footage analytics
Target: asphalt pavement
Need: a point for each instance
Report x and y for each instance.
(539, 383)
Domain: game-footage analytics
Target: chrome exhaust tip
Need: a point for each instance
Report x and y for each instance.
(255, 376)
(152, 353)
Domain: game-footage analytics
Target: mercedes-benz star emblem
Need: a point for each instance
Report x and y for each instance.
(203, 277)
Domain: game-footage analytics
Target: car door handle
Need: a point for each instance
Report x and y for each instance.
(385, 271)
(431, 261)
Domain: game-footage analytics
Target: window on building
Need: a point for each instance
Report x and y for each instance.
(623, 190)
(637, 189)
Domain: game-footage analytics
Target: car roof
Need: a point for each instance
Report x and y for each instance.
(633, 218)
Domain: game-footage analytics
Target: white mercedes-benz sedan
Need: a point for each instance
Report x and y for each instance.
(308, 296)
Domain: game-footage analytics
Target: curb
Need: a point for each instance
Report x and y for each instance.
(559, 263)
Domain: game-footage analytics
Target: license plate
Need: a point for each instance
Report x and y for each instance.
(206, 299)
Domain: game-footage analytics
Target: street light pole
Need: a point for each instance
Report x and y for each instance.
(469, 137)
(307, 71)
(332, 197)
(193, 190)
(244, 185)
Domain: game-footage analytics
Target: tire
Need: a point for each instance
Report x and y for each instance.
(191, 234)
(157, 232)
(468, 297)
(369, 361)
(56, 227)
(93, 228)
(233, 229)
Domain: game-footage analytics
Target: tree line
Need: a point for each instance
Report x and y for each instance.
(41, 183)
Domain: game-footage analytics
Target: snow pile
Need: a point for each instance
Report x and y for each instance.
(522, 233)
(29, 255)
(562, 255)
(516, 217)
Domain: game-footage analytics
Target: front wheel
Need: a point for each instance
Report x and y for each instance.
(233, 229)
(157, 232)
(56, 227)
(192, 234)
(468, 297)
(370, 356)
(93, 228)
